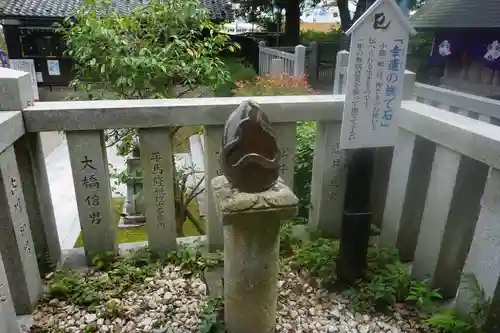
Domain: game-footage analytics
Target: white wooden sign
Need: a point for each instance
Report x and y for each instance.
(27, 65)
(379, 43)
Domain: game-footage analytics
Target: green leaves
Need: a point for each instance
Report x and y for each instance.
(147, 53)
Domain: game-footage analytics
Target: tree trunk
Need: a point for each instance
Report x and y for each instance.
(292, 23)
(345, 15)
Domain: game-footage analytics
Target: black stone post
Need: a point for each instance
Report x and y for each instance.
(356, 222)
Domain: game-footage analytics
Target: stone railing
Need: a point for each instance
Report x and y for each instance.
(473, 106)
(427, 195)
(293, 63)
(477, 107)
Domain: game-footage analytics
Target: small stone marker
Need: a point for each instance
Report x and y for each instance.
(379, 43)
(250, 158)
(251, 253)
(16, 243)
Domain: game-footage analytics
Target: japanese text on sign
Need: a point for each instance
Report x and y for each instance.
(375, 77)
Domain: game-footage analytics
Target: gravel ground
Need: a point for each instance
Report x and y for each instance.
(170, 303)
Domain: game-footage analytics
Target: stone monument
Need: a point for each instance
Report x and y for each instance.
(250, 156)
(251, 201)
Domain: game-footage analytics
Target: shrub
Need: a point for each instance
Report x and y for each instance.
(333, 35)
(306, 134)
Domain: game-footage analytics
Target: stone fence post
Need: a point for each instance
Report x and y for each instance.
(277, 67)
(251, 252)
(29, 242)
(340, 75)
(300, 60)
(312, 63)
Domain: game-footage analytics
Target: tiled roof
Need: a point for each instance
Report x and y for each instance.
(219, 9)
(458, 14)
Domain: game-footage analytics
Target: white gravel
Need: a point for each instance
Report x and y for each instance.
(170, 303)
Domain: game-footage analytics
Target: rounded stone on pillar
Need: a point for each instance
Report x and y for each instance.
(251, 252)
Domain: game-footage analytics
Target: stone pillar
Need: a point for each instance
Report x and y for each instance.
(406, 193)
(300, 60)
(8, 320)
(89, 165)
(482, 267)
(312, 59)
(449, 218)
(251, 253)
(328, 181)
(16, 93)
(212, 136)
(340, 75)
(16, 243)
(158, 185)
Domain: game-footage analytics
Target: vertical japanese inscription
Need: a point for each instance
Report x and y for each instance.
(158, 177)
(286, 137)
(337, 164)
(91, 188)
(15, 192)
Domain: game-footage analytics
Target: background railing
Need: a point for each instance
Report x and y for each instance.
(436, 194)
(293, 63)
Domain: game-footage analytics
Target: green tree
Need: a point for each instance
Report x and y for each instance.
(263, 10)
(161, 50)
(166, 49)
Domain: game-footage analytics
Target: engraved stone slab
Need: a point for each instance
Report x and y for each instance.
(158, 175)
(89, 166)
(286, 134)
(8, 320)
(328, 180)
(16, 242)
(212, 137)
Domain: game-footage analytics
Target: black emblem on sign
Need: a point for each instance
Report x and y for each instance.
(378, 22)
